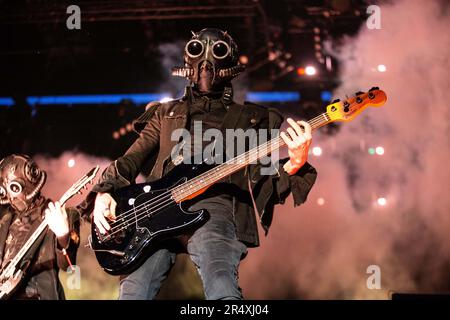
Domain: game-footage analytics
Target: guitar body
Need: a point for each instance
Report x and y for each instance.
(151, 216)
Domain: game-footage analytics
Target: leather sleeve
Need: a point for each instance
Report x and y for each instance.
(269, 190)
(125, 169)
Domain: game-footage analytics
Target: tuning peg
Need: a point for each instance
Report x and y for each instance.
(336, 101)
(346, 106)
(374, 88)
(359, 93)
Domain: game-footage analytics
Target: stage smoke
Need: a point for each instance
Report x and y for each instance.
(324, 251)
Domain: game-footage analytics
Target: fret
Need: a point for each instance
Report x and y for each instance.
(210, 177)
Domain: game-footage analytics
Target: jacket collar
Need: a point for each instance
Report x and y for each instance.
(225, 95)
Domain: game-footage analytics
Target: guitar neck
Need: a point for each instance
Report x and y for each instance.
(195, 185)
(36, 234)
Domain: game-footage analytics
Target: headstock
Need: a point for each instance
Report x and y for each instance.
(80, 184)
(347, 110)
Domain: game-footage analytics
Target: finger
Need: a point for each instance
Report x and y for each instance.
(51, 206)
(47, 213)
(103, 222)
(113, 210)
(307, 128)
(99, 226)
(292, 133)
(286, 139)
(57, 208)
(295, 125)
(299, 141)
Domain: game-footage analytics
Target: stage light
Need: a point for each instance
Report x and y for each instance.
(381, 68)
(379, 150)
(317, 151)
(71, 163)
(371, 151)
(123, 131)
(165, 99)
(320, 201)
(243, 59)
(282, 64)
(300, 71)
(382, 201)
(326, 96)
(310, 71)
(272, 55)
(137, 98)
(273, 96)
(6, 101)
(116, 135)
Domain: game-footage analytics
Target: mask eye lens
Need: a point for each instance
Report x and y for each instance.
(194, 48)
(220, 50)
(15, 188)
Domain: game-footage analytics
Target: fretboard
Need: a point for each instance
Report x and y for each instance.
(206, 179)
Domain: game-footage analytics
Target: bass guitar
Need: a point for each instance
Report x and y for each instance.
(148, 213)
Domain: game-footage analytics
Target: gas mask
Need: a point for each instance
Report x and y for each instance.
(210, 60)
(20, 182)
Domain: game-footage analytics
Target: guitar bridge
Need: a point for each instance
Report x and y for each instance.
(114, 252)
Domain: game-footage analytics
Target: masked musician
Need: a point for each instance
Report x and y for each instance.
(218, 246)
(22, 209)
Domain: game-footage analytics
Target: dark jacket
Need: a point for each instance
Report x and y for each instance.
(41, 279)
(153, 148)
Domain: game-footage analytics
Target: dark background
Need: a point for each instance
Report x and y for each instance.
(120, 49)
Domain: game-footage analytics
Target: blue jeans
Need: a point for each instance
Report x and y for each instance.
(214, 249)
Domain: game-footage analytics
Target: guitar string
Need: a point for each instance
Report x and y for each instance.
(263, 148)
(141, 213)
(230, 169)
(165, 199)
(312, 122)
(164, 203)
(258, 149)
(255, 151)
